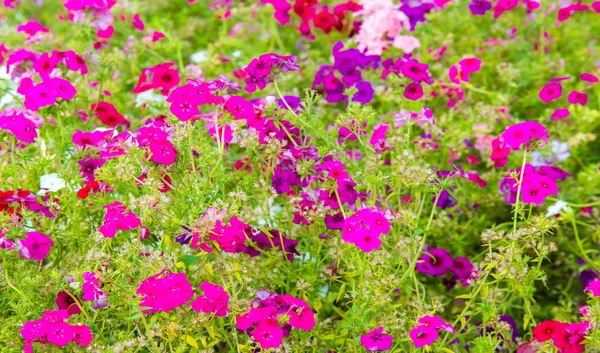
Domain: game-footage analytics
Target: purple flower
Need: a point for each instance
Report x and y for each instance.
(479, 7)
(435, 262)
(364, 94)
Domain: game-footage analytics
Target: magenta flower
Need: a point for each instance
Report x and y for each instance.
(35, 246)
(594, 287)
(268, 335)
(82, 335)
(117, 219)
(364, 228)
(413, 91)
(423, 336)
(550, 92)
(163, 152)
(215, 300)
(462, 267)
(59, 333)
(21, 123)
(559, 114)
(165, 293)
(376, 340)
(34, 329)
(524, 133)
(591, 78)
(92, 291)
(576, 97)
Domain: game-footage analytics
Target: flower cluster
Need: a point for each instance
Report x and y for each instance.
(514, 137)
(272, 316)
(22, 123)
(117, 219)
(364, 228)
(349, 63)
(411, 69)
(427, 330)
(438, 262)
(52, 328)
(564, 336)
(312, 12)
(536, 184)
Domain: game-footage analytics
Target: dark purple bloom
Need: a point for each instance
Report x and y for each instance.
(364, 94)
(479, 7)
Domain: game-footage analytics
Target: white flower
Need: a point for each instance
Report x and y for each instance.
(149, 97)
(51, 182)
(556, 208)
(560, 150)
(199, 57)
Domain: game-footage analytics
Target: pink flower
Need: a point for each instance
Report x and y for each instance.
(268, 336)
(82, 335)
(162, 152)
(413, 91)
(423, 336)
(523, 133)
(376, 340)
(165, 293)
(364, 228)
(117, 219)
(550, 92)
(59, 333)
(34, 329)
(468, 66)
(594, 287)
(559, 114)
(589, 77)
(576, 97)
(137, 22)
(21, 123)
(302, 318)
(406, 43)
(92, 291)
(215, 300)
(35, 246)
(63, 88)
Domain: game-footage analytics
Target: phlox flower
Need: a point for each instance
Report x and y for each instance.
(161, 76)
(215, 300)
(376, 340)
(576, 97)
(427, 330)
(591, 78)
(117, 219)
(162, 152)
(268, 312)
(435, 262)
(550, 92)
(108, 114)
(65, 301)
(52, 328)
(164, 292)
(364, 228)
(568, 337)
(524, 133)
(480, 7)
(21, 123)
(35, 246)
(92, 291)
(544, 331)
(594, 288)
